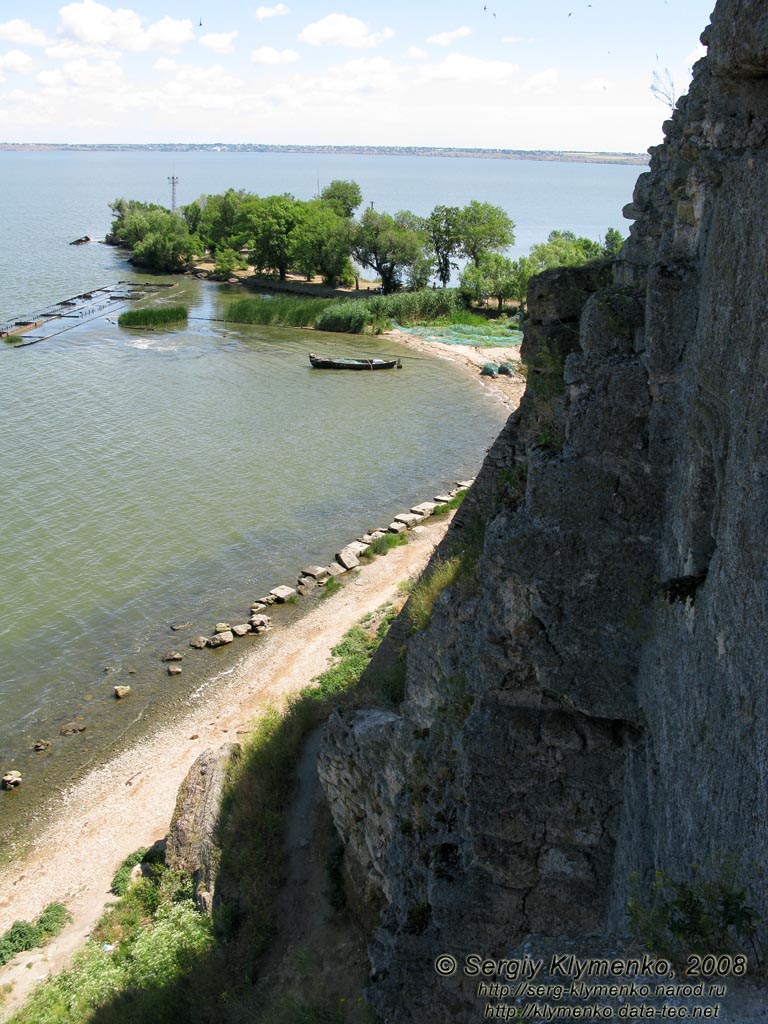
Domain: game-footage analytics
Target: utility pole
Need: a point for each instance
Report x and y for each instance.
(173, 181)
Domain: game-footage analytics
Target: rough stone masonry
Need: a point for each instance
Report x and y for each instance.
(597, 703)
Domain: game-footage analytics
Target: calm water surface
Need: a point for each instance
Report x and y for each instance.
(48, 199)
(147, 479)
(176, 477)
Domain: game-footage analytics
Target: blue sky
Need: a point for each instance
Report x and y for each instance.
(554, 74)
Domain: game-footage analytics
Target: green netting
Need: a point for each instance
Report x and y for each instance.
(489, 336)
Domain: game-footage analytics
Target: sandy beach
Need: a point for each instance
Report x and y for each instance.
(129, 801)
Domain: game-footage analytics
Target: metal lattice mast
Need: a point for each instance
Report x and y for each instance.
(173, 181)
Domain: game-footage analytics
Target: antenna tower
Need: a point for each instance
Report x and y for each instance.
(173, 181)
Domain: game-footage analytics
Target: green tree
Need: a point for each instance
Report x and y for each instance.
(343, 197)
(226, 262)
(265, 227)
(389, 245)
(320, 243)
(565, 249)
(484, 228)
(613, 241)
(442, 226)
(167, 246)
(220, 220)
(492, 277)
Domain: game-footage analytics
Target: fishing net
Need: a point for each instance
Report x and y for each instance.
(463, 334)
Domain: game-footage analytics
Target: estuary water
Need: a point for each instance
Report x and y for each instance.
(150, 479)
(49, 199)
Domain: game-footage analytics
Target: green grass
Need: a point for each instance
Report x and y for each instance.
(331, 586)
(153, 316)
(382, 545)
(23, 935)
(452, 505)
(282, 311)
(442, 573)
(353, 316)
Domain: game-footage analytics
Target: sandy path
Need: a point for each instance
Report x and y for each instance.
(129, 801)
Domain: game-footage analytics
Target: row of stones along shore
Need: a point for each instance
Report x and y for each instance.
(315, 576)
(312, 577)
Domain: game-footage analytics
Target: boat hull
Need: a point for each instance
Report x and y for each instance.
(320, 363)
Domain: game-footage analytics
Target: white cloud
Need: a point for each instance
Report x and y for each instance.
(271, 12)
(341, 30)
(94, 24)
(416, 52)
(446, 38)
(19, 31)
(517, 39)
(696, 54)
(269, 55)
(542, 82)
(467, 70)
(219, 42)
(16, 60)
(165, 65)
(102, 77)
(69, 50)
(365, 75)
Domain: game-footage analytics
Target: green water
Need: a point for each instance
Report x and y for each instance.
(152, 478)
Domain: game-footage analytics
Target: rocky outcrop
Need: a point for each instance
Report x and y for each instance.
(594, 704)
(192, 845)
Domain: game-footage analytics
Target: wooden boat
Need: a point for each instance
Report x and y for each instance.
(353, 364)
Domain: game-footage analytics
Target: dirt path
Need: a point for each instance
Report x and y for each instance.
(128, 802)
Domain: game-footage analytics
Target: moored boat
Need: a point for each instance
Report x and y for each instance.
(341, 363)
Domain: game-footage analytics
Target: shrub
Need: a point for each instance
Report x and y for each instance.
(153, 316)
(695, 915)
(449, 506)
(431, 585)
(383, 544)
(122, 878)
(22, 935)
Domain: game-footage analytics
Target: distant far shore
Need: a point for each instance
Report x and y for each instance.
(561, 156)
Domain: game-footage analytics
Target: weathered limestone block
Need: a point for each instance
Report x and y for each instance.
(219, 639)
(191, 845)
(282, 594)
(408, 518)
(316, 572)
(198, 642)
(241, 629)
(347, 558)
(122, 691)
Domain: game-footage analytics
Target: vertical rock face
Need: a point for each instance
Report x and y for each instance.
(596, 703)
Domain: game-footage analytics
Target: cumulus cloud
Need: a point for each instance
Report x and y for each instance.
(16, 60)
(102, 77)
(342, 30)
(271, 12)
(69, 50)
(165, 65)
(468, 70)
(269, 55)
(19, 31)
(416, 52)
(94, 24)
(446, 38)
(219, 42)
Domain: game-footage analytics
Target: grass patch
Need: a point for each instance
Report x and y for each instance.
(331, 586)
(23, 935)
(442, 573)
(452, 505)
(152, 316)
(282, 311)
(382, 545)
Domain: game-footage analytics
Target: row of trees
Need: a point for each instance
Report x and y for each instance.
(319, 236)
(322, 237)
(494, 276)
